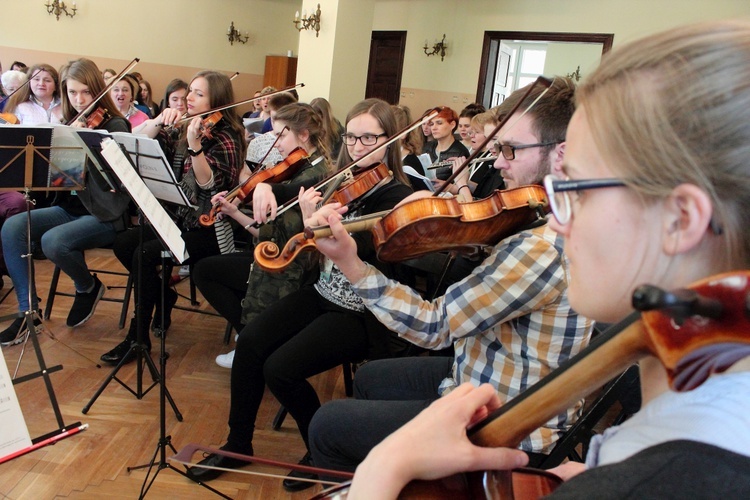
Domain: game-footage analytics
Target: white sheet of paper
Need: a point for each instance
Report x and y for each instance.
(153, 166)
(15, 435)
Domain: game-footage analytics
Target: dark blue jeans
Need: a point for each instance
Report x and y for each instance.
(63, 236)
(388, 393)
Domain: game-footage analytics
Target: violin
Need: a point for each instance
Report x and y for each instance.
(360, 184)
(282, 171)
(426, 225)
(95, 118)
(209, 122)
(8, 119)
(691, 331)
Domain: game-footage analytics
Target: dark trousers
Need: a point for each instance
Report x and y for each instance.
(295, 338)
(388, 393)
(200, 244)
(222, 279)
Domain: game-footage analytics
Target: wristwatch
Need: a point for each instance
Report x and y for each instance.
(193, 152)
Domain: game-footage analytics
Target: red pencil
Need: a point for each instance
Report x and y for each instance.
(45, 442)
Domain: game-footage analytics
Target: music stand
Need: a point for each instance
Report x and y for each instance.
(25, 166)
(171, 238)
(120, 171)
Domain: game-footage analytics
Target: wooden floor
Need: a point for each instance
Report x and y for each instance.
(124, 431)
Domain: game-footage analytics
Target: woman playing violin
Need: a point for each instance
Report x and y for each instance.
(444, 145)
(211, 158)
(223, 279)
(509, 320)
(79, 220)
(319, 326)
(678, 214)
(39, 101)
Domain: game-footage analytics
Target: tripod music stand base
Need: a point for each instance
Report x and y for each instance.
(142, 356)
(148, 481)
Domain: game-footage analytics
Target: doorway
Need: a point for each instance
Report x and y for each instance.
(386, 65)
(504, 54)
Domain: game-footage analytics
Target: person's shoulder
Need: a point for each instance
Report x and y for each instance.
(116, 124)
(675, 469)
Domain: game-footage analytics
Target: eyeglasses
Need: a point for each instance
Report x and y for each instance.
(557, 192)
(365, 139)
(509, 152)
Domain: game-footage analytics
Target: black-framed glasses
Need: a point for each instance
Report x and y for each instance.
(365, 139)
(557, 193)
(509, 151)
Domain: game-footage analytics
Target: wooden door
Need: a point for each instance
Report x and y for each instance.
(386, 65)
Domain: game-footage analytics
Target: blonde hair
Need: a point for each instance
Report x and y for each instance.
(674, 108)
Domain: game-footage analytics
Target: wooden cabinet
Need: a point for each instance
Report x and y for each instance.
(281, 71)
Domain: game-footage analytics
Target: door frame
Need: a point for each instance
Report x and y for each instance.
(485, 77)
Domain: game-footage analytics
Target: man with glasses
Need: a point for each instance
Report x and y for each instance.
(509, 320)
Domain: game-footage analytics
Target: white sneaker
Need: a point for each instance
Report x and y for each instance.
(225, 360)
(184, 271)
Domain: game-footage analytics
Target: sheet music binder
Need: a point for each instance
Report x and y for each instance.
(45, 157)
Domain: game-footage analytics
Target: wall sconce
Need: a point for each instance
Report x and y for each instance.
(575, 75)
(308, 23)
(437, 48)
(58, 8)
(235, 36)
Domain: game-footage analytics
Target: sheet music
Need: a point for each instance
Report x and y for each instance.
(410, 172)
(167, 230)
(15, 435)
(153, 166)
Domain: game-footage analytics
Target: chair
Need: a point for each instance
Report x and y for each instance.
(623, 389)
(125, 300)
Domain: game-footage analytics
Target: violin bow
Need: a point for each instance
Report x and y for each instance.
(104, 91)
(239, 103)
(342, 172)
(539, 81)
(184, 457)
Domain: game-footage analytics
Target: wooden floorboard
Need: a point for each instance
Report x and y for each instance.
(123, 430)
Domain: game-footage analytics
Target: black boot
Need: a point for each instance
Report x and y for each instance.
(123, 350)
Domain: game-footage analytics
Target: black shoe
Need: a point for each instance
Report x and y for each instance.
(122, 351)
(85, 304)
(214, 460)
(16, 332)
(170, 299)
(292, 482)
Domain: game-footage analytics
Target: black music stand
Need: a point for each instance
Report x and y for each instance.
(127, 179)
(174, 247)
(38, 158)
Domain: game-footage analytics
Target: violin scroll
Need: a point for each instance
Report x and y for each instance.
(270, 259)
